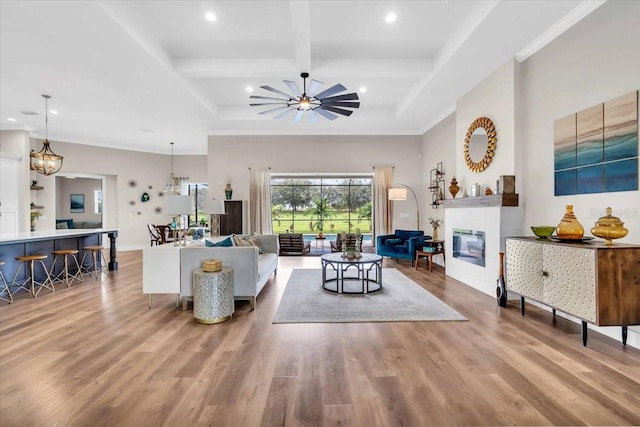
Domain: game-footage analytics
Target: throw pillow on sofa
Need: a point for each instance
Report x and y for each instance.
(247, 241)
(224, 242)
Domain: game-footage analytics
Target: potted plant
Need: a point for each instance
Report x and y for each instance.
(351, 252)
(319, 212)
(435, 224)
(34, 219)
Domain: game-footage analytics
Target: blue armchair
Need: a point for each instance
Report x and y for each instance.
(402, 244)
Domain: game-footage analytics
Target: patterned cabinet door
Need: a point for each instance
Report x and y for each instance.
(570, 283)
(524, 268)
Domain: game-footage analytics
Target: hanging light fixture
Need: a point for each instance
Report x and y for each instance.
(172, 187)
(45, 161)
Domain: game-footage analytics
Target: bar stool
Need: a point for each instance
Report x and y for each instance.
(4, 286)
(96, 254)
(31, 280)
(64, 275)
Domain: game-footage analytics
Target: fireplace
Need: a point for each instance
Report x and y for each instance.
(469, 246)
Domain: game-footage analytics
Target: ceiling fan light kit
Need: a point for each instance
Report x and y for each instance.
(327, 103)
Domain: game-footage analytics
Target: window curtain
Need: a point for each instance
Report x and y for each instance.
(260, 201)
(382, 182)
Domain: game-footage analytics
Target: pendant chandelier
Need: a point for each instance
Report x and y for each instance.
(173, 186)
(45, 161)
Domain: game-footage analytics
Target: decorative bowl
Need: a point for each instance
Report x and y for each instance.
(543, 231)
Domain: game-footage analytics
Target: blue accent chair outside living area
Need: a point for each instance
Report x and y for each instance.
(402, 244)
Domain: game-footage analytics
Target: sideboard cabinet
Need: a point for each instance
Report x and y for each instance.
(598, 284)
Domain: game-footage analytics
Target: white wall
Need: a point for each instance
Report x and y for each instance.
(231, 156)
(595, 61)
(121, 167)
(495, 98)
(86, 186)
(16, 145)
(439, 144)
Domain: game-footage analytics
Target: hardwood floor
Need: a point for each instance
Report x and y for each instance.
(94, 355)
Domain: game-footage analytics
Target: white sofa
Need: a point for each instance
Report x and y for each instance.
(251, 270)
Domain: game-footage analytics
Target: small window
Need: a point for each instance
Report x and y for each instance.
(97, 202)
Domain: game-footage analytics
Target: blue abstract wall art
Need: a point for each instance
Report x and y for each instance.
(596, 149)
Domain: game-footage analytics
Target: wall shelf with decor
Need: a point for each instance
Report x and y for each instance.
(436, 185)
(505, 199)
(36, 207)
(36, 187)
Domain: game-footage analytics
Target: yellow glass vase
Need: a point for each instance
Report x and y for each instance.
(570, 228)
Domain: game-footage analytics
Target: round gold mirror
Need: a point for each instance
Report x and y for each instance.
(480, 144)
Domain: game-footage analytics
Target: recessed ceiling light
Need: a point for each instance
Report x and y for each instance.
(249, 89)
(363, 89)
(391, 17)
(70, 177)
(11, 119)
(53, 112)
(211, 17)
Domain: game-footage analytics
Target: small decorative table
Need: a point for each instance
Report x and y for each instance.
(213, 295)
(436, 248)
(367, 269)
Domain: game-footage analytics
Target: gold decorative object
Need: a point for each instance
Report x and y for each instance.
(488, 191)
(609, 227)
(569, 227)
(487, 125)
(211, 265)
(454, 187)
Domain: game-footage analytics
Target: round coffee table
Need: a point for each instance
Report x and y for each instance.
(367, 277)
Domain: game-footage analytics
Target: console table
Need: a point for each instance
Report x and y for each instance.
(596, 283)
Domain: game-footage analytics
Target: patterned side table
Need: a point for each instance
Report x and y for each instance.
(213, 295)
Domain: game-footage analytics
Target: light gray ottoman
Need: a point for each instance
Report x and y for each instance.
(213, 295)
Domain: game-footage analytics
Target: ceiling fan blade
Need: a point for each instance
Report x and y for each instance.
(270, 103)
(345, 97)
(273, 109)
(268, 97)
(314, 86)
(325, 114)
(293, 86)
(313, 116)
(331, 91)
(342, 104)
(281, 115)
(337, 110)
(269, 88)
(298, 116)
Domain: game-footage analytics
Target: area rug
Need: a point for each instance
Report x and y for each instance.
(400, 300)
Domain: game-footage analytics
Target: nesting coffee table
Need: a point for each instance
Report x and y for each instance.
(360, 275)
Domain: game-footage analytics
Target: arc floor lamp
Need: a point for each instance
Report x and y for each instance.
(400, 193)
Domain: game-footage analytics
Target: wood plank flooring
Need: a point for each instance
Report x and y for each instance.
(94, 355)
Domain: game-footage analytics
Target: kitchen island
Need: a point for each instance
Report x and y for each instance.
(45, 242)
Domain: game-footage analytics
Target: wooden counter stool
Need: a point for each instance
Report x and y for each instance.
(31, 280)
(64, 275)
(96, 254)
(4, 286)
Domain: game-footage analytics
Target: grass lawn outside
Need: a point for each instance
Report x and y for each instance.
(305, 224)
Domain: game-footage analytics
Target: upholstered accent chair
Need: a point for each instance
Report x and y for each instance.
(402, 244)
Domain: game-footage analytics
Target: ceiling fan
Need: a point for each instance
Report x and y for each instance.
(326, 103)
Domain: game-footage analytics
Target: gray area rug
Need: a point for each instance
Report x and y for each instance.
(400, 300)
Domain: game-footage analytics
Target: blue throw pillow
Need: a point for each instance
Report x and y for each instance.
(223, 242)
